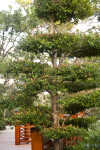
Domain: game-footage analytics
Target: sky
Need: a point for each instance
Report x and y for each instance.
(86, 25)
(4, 5)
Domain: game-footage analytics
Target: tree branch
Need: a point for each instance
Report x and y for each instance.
(12, 44)
(42, 109)
(62, 58)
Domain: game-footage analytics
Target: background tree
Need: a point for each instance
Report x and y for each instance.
(12, 25)
(34, 23)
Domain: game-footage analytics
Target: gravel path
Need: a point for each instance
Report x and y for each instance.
(7, 141)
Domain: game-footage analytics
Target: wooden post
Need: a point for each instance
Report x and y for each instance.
(37, 139)
(17, 134)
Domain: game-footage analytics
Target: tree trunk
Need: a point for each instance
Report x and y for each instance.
(54, 98)
(4, 114)
(52, 31)
(58, 145)
(54, 58)
(51, 25)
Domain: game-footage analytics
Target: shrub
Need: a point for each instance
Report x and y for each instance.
(81, 122)
(2, 125)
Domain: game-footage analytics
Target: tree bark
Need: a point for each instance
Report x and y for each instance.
(54, 58)
(4, 114)
(59, 144)
(51, 25)
(52, 31)
(62, 58)
(54, 98)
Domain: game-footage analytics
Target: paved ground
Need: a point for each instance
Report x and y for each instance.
(7, 141)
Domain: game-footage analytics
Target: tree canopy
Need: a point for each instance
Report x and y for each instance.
(71, 45)
(63, 10)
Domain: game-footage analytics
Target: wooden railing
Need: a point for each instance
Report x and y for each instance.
(78, 115)
(23, 133)
(73, 140)
(76, 139)
(81, 114)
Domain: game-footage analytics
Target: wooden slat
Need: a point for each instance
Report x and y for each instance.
(25, 130)
(25, 133)
(25, 137)
(25, 140)
(26, 127)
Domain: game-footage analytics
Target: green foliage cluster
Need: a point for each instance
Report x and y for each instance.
(91, 140)
(40, 77)
(1, 113)
(67, 132)
(94, 112)
(2, 88)
(11, 23)
(36, 77)
(36, 117)
(80, 85)
(27, 67)
(96, 7)
(70, 44)
(81, 122)
(77, 103)
(7, 103)
(2, 123)
(63, 10)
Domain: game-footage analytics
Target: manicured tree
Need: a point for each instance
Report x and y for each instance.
(62, 11)
(62, 77)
